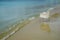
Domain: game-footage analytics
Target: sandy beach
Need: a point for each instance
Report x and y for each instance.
(33, 31)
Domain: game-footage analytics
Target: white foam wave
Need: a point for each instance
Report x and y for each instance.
(31, 18)
(50, 9)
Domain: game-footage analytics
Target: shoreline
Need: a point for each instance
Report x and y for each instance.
(14, 29)
(5, 35)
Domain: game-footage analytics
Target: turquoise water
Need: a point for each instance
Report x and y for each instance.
(13, 11)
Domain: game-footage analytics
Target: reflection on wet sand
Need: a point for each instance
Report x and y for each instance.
(45, 27)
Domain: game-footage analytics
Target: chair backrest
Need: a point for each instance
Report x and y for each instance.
(44, 15)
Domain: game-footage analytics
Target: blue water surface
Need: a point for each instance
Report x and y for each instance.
(12, 11)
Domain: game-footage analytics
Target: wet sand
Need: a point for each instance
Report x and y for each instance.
(33, 31)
